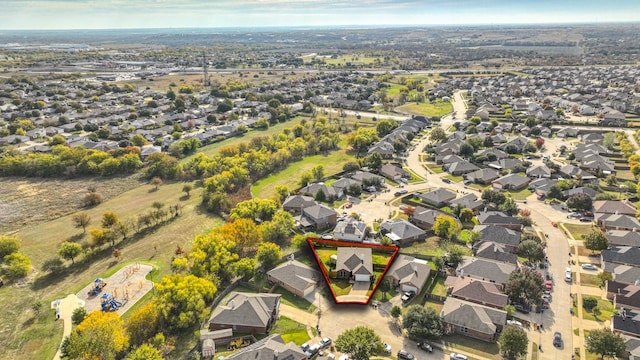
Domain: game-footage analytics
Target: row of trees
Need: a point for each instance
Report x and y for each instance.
(13, 263)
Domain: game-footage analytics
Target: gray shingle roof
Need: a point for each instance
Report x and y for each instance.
(246, 309)
(355, 259)
(487, 270)
(406, 270)
(622, 255)
(266, 348)
(481, 291)
(480, 318)
(295, 274)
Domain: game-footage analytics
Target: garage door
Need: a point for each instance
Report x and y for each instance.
(308, 290)
(362, 277)
(409, 288)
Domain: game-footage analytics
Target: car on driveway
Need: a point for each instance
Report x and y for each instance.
(557, 339)
(456, 356)
(575, 215)
(387, 349)
(514, 322)
(425, 346)
(325, 343)
(405, 355)
(589, 267)
(522, 309)
(407, 296)
(446, 181)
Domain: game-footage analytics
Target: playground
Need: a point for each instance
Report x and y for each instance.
(119, 291)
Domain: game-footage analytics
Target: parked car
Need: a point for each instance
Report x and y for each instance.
(305, 347)
(567, 275)
(456, 356)
(586, 219)
(425, 346)
(407, 296)
(557, 339)
(446, 181)
(589, 267)
(344, 357)
(514, 322)
(547, 297)
(312, 351)
(401, 192)
(576, 215)
(405, 355)
(521, 309)
(548, 284)
(325, 343)
(387, 348)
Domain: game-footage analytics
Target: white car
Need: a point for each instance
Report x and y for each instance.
(387, 348)
(456, 356)
(567, 275)
(589, 267)
(514, 322)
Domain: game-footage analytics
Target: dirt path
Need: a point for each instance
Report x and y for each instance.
(64, 309)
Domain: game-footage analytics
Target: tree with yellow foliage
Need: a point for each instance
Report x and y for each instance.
(101, 335)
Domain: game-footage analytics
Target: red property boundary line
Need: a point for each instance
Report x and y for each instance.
(336, 243)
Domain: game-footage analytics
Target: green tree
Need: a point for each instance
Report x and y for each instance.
(509, 207)
(187, 189)
(145, 352)
(466, 215)
(52, 265)
(8, 245)
(81, 220)
(18, 265)
(396, 311)
(100, 335)
(359, 342)
(385, 286)
(422, 323)
(78, 315)
(466, 150)
(455, 254)
(252, 209)
(555, 192)
(531, 250)
(596, 240)
(384, 127)
(143, 324)
(493, 196)
(444, 226)
(138, 140)
(605, 342)
(69, 250)
(317, 172)
(437, 134)
(182, 300)
(155, 181)
(580, 202)
(525, 287)
(109, 220)
(245, 268)
(513, 342)
(268, 254)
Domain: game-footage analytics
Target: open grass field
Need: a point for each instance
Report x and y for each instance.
(289, 177)
(41, 242)
(427, 109)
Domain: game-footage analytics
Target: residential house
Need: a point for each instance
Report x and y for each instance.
(614, 207)
(393, 172)
(469, 200)
(539, 171)
(342, 185)
(424, 218)
(247, 313)
(500, 219)
(460, 168)
(350, 230)
(505, 164)
(507, 237)
(542, 185)
(483, 176)
(617, 222)
(569, 171)
(623, 273)
(620, 255)
(295, 203)
(623, 238)
(438, 198)
(408, 273)
(486, 270)
(623, 295)
(355, 263)
(272, 347)
(317, 217)
(581, 190)
(314, 189)
(596, 164)
(367, 177)
(626, 322)
(472, 320)
(295, 277)
(511, 182)
(402, 232)
(494, 251)
(476, 291)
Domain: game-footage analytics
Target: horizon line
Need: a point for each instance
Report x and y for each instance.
(337, 26)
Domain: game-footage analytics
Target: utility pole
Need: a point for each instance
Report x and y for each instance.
(205, 81)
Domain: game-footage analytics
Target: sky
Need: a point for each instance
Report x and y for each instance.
(116, 14)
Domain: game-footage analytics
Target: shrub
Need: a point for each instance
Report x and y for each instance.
(589, 302)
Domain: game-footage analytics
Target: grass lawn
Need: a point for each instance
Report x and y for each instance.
(427, 109)
(472, 346)
(340, 287)
(590, 280)
(438, 287)
(454, 178)
(381, 259)
(23, 336)
(520, 194)
(292, 299)
(434, 168)
(606, 311)
(325, 255)
(379, 296)
(534, 351)
(465, 235)
(577, 230)
(430, 247)
(291, 330)
(289, 177)
(434, 305)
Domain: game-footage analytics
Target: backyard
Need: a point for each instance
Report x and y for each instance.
(291, 330)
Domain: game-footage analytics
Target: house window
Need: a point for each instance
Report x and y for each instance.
(463, 329)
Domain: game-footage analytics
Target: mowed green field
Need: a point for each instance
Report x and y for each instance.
(427, 109)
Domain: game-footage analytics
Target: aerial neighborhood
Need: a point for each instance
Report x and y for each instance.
(287, 208)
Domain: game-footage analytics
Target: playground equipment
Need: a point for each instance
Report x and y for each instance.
(238, 343)
(109, 303)
(98, 285)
